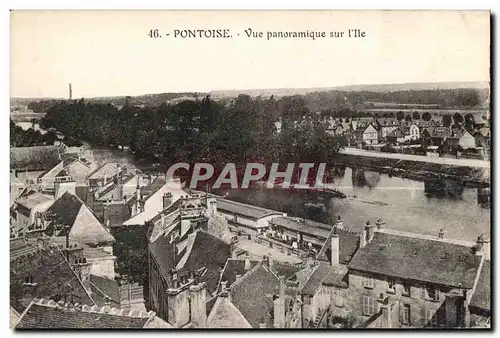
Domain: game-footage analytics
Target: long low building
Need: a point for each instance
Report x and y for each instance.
(245, 215)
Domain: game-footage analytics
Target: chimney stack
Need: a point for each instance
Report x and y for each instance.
(198, 304)
(335, 243)
(482, 246)
(265, 260)
(262, 324)
(385, 309)
(339, 223)
(247, 262)
(105, 214)
(370, 231)
(441, 234)
(380, 223)
(362, 238)
(279, 306)
(167, 200)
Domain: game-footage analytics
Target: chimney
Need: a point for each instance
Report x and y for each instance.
(262, 324)
(362, 238)
(370, 231)
(167, 200)
(380, 223)
(198, 304)
(385, 309)
(279, 306)
(265, 260)
(339, 223)
(441, 234)
(482, 246)
(247, 262)
(84, 268)
(105, 213)
(238, 276)
(335, 249)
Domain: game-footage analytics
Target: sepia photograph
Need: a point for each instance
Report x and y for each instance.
(174, 169)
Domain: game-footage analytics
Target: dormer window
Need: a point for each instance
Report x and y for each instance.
(28, 281)
(391, 285)
(432, 293)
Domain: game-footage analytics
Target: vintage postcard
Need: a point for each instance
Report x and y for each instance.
(250, 170)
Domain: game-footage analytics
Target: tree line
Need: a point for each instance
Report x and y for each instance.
(239, 131)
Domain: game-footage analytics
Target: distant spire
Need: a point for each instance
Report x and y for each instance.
(70, 92)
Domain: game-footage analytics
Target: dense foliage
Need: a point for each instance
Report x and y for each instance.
(203, 130)
(28, 138)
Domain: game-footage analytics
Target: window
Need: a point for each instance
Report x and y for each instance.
(432, 293)
(391, 285)
(405, 314)
(430, 318)
(339, 299)
(368, 306)
(406, 289)
(368, 282)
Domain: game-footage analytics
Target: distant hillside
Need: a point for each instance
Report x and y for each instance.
(372, 88)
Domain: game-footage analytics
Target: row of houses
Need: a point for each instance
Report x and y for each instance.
(374, 131)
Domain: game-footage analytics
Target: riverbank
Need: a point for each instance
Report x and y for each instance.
(417, 170)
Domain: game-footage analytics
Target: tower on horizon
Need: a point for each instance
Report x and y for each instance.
(70, 92)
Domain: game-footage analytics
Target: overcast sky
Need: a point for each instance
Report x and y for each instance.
(108, 53)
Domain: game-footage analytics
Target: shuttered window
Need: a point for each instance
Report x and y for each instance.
(368, 305)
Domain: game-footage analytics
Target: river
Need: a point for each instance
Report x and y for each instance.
(405, 205)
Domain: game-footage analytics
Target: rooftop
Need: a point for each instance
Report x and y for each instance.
(225, 315)
(482, 295)
(325, 274)
(246, 210)
(418, 258)
(38, 158)
(43, 314)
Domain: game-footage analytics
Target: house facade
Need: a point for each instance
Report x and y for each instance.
(370, 135)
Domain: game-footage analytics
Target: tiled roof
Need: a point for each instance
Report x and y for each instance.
(210, 252)
(348, 244)
(235, 267)
(225, 315)
(52, 278)
(253, 294)
(64, 211)
(397, 133)
(411, 257)
(42, 315)
(305, 226)
(203, 250)
(37, 158)
(325, 274)
(245, 210)
(19, 247)
(482, 295)
(103, 288)
(285, 270)
(387, 122)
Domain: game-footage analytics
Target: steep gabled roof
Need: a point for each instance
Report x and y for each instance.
(52, 278)
(253, 294)
(417, 258)
(70, 210)
(225, 315)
